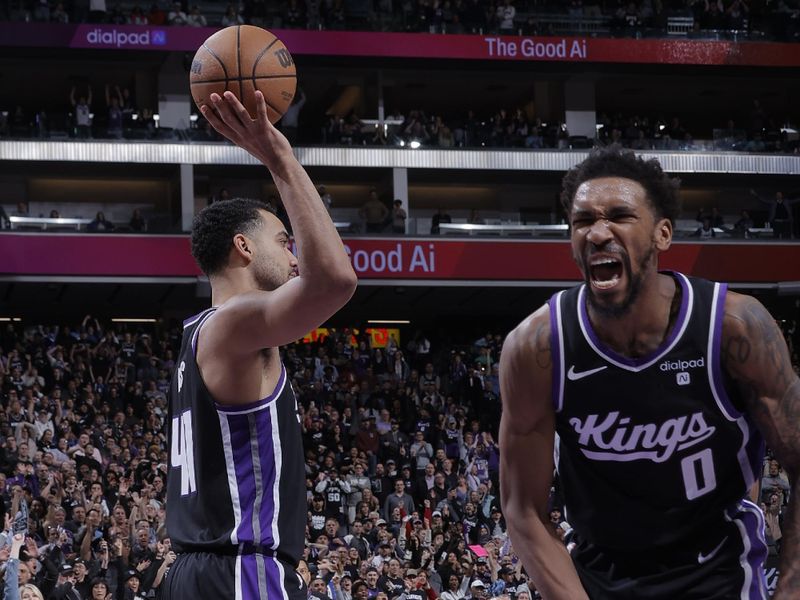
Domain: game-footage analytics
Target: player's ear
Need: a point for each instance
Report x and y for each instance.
(242, 247)
(663, 234)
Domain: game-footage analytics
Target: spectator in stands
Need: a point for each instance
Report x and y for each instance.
(780, 216)
(398, 499)
(374, 213)
(398, 217)
(176, 16)
(231, 17)
(195, 18)
(137, 16)
(291, 118)
(100, 224)
(137, 224)
(506, 13)
(59, 15)
(156, 16)
(743, 225)
(775, 482)
(114, 107)
(82, 113)
(293, 17)
(439, 218)
(117, 16)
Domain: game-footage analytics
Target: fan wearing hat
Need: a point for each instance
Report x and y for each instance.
(477, 589)
(133, 582)
(65, 584)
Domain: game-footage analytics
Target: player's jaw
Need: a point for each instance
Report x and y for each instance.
(612, 283)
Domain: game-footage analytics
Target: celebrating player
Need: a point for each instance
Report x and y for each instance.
(660, 388)
(236, 462)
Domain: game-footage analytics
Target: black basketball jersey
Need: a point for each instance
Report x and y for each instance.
(650, 451)
(236, 480)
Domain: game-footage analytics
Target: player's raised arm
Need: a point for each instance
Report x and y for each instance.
(527, 432)
(325, 281)
(756, 356)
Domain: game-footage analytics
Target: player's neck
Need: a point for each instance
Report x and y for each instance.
(643, 328)
(223, 288)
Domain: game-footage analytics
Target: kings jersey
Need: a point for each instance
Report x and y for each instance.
(650, 451)
(236, 480)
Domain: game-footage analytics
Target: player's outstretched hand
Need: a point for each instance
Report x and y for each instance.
(258, 136)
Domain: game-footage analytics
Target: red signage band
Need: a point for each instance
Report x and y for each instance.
(387, 258)
(416, 45)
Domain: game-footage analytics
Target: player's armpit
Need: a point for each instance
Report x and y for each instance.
(249, 322)
(527, 432)
(755, 355)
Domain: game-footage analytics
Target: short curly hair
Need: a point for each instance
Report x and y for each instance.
(615, 161)
(213, 229)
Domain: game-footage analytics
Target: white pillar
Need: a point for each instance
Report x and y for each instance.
(580, 115)
(174, 100)
(400, 190)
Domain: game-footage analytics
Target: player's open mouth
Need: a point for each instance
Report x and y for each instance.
(605, 272)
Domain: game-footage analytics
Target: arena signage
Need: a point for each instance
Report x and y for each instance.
(417, 45)
(114, 38)
(388, 258)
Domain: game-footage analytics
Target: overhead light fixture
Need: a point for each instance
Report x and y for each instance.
(388, 322)
(133, 320)
(414, 144)
(10, 319)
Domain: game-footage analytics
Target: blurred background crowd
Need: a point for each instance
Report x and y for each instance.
(401, 456)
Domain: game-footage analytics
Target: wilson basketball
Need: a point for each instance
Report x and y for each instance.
(243, 59)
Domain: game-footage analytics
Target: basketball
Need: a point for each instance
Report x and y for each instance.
(243, 59)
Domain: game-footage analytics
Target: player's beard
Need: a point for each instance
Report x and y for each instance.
(270, 275)
(620, 309)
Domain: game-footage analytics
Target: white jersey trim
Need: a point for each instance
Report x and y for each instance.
(713, 356)
(636, 368)
(233, 486)
(561, 352)
(276, 488)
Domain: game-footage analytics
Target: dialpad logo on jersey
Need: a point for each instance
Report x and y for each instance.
(682, 365)
(614, 438)
(683, 378)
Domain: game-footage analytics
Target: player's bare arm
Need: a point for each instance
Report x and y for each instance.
(756, 356)
(527, 432)
(253, 321)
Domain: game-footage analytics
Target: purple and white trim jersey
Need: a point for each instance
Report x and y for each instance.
(236, 482)
(653, 451)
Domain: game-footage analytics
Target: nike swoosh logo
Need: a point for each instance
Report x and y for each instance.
(701, 558)
(574, 375)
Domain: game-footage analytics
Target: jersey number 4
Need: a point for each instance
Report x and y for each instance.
(182, 452)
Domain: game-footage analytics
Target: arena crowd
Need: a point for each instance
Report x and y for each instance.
(401, 455)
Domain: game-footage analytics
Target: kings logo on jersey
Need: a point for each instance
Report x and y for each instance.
(614, 438)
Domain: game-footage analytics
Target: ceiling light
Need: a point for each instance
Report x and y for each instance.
(388, 322)
(133, 320)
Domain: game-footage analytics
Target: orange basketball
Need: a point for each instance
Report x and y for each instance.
(243, 59)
